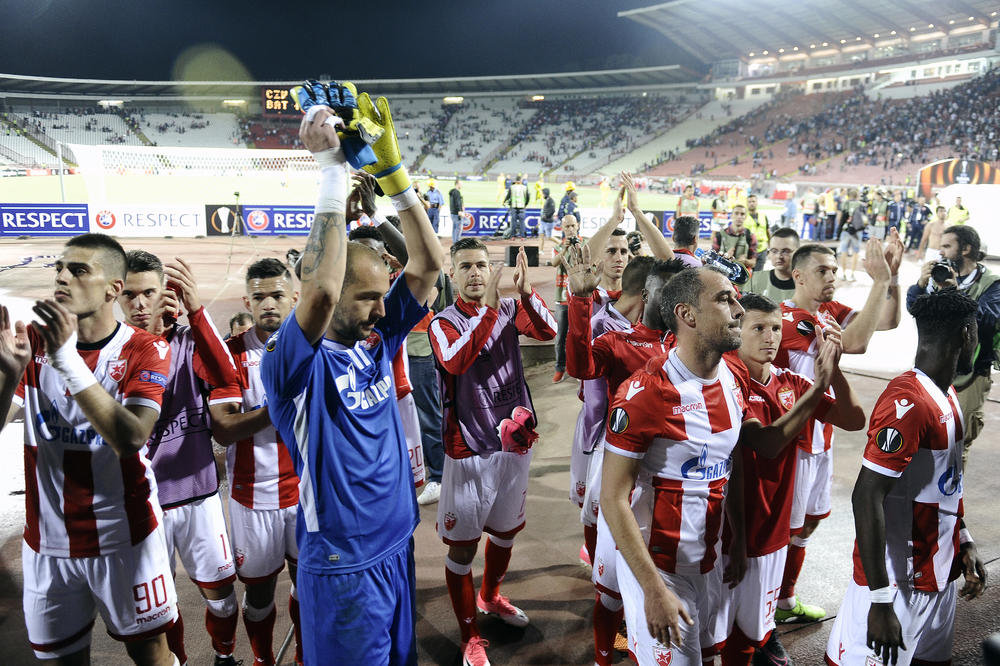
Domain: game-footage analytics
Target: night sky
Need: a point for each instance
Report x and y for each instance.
(145, 39)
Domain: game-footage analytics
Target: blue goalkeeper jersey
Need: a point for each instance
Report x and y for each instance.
(335, 408)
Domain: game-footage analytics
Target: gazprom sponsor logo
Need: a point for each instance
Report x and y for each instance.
(950, 482)
(698, 469)
(43, 219)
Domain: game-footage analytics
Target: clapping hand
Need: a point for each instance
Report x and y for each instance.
(583, 276)
(521, 274)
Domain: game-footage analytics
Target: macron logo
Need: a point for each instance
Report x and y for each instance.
(634, 388)
(690, 407)
(161, 348)
(902, 406)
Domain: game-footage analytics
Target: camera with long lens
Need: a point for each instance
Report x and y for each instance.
(942, 271)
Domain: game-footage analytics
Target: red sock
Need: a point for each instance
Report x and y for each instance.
(293, 612)
(223, 631)
(497, 561)
(175, 639)
(463, 602)
(261, 635)
(793, 566)
(738, 650)
(590, 539)
(606, 623)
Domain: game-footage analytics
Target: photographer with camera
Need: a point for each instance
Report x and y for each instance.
(959, 268)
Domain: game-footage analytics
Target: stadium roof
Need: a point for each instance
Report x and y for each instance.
(713, 30)
(635, 78)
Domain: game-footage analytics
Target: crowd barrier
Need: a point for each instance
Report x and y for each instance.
(158, 221)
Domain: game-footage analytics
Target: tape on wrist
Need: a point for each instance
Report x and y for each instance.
(406, 199)
(883, 595)
(332, 189)
(378, 220)
(314, 109)
(964, 537)
(330, 157)
(71, 367)
(894, 280)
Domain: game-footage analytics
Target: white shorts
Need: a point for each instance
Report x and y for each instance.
(751, 604)
(579, 464)
(605, 572)
(592, 494)
(698, 594)
(482, 495)
(262, 540)
(927, 620)
(131, 587)
(411, 430)
(813, 481)
(197, 532)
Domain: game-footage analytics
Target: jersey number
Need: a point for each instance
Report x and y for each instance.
(148, 595)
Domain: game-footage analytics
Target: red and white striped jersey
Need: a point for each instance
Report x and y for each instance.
(768, 483)
(684, 429)
(81, 499)
(261, 472)
(916, 436)
(798, 351)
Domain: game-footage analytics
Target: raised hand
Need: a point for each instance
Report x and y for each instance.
(58, 324)
(15, 349)
(875, 262)
(894, 251)
(181, 279)
(582, 275)
(319, 132)
(492, 296)
(521, 274)
(356, 133)
(617, 210)
(826, 364)
(167, 312)
(364, 185)
(630, 190)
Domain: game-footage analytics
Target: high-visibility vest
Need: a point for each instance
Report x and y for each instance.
(518, 195)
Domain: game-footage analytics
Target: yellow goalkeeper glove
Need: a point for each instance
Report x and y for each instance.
(388, 168)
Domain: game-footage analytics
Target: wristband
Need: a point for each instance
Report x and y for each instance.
(378, 220)
(406, 199)
(964, 537)
(71, 367)
(332, 182)
(894, 280)
(883, 595)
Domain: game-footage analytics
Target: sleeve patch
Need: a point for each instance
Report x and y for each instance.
(153, 378)
(272, 342)
(618, 420)
(889, 440)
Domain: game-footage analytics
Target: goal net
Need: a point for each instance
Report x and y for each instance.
(178, 175)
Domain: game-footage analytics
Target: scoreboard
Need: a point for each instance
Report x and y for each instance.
(277, 102)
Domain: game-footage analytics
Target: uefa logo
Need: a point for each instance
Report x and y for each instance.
(258, 220)
(105, 219)
(670, 224)
(468, 222)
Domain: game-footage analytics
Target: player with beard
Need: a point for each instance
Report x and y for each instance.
(614, 355)
(263, 492)
(912, 544)
(180, 447)
(671, 432)
(91, 388)
(488, 429)
(804, 317)
(328, 377)
(777, 395)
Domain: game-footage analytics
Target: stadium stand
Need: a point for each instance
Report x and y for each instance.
(209, 130)
(85, 126)
(477, 133)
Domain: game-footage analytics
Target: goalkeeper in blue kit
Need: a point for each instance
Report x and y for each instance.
(328, 376)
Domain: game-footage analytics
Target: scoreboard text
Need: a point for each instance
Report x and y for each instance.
(277, 102)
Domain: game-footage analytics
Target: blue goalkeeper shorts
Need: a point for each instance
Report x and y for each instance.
(365, 617)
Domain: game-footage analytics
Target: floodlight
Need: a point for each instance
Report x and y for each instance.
(453, 100)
